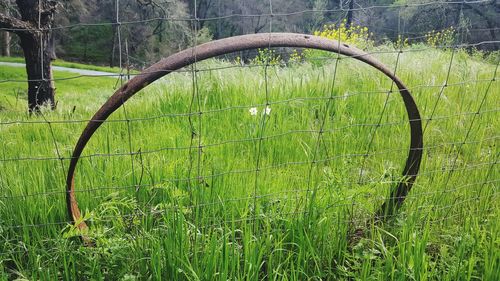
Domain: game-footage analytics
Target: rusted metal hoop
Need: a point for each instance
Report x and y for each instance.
(240, 43)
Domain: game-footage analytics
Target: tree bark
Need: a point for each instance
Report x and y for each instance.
(36, 44)
(33, 29)
(6, 44)
(113, 47)
(349, 15)
(41, 91)
(52, 46)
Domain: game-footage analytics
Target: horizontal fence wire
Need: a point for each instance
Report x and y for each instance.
(197, 19)
(459, 167)
(274, 136)
(369, 53)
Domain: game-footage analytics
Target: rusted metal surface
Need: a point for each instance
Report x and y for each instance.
(240, 43)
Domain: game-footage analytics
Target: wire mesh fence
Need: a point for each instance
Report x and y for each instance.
(254, 142)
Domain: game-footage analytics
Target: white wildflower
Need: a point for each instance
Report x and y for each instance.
(267, 111)
(253, 111)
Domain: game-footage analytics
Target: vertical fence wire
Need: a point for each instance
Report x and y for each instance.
(263, 120)
(195, 178)
(309, 203)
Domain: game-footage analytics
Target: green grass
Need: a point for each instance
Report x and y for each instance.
(291, 220)
(63, 63)
(71, 91)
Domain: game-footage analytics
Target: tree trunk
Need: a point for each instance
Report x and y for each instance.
(6, 44)
(490, 23)
(113, 48)
(33, 29)
(349, 15)
(38, 67)
(51, 47)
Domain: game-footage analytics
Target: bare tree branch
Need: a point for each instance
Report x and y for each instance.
(15, 25)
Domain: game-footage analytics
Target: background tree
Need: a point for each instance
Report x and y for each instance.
(484, 17)
(31, 22)
(151, 29)
(147, 40)
(475, 22)
(5, 35)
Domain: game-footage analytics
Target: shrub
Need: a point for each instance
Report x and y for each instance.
(443, 38)
(266, 56)
(401, 43)
(356, 35)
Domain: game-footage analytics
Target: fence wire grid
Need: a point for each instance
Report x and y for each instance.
(256, 138)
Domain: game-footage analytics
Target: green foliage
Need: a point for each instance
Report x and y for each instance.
(401, 43)
(356, 35)
(266, 57)
(204, 35)
(149, 222)
(443, 38)
(88, 44)
(295, 57)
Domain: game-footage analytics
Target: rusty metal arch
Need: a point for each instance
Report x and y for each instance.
(240, 43)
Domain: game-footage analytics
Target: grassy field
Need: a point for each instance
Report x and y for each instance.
(172, 194)
(68, 64)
